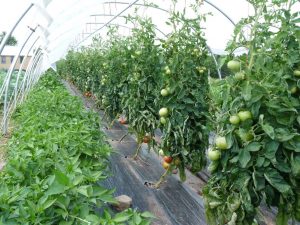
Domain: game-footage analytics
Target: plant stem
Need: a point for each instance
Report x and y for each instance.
(137, 151)
(162, 178)
(253, 31)
(82, 220)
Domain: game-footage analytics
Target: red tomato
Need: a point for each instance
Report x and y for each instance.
(146, 139)
(168, 159)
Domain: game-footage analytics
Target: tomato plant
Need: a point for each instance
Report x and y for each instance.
(144, 80)
(184, 109)
(259, 118)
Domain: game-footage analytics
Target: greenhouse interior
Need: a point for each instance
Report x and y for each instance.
(139, 112)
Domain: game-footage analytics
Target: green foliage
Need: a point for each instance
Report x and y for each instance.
(262, 162)
(55, 157)
(12, 41)
(185, 75)
(140, 97)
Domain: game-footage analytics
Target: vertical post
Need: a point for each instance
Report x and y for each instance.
(215, 61)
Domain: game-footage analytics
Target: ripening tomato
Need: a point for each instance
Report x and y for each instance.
(166, 165)
(168, 159)
(122, 121)
(146, 139)
(177, 161)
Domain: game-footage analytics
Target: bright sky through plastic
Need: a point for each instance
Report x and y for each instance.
(70, 17)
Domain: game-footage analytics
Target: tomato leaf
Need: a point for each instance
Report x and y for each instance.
(269, 130)
(277, 181)
(244, 157)
(253, 147)
(271, 148)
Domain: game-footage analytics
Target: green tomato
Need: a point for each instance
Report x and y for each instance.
(234, 119)
(221, 143)
(161, 152)
(213, 155)
(297, 73)
(244, 115)
(240, 75)
(163, 112)
(213, 166)
(245, 136)
(163, 120)
(164, 92)
(234, 65)
(293, 90)
(168, 89)
(254, 222)
(138, 52)
(233, 203)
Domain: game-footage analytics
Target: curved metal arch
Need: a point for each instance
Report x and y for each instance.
(35, 73)
(149, 6)
(139, 4)
(8, 34)
(28, 72)
(112, 19)
(221, 11)
(16, 90)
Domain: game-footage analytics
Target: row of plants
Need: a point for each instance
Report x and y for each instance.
(164, 84)
(154, 83)
(55, 158)
(256, 157)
